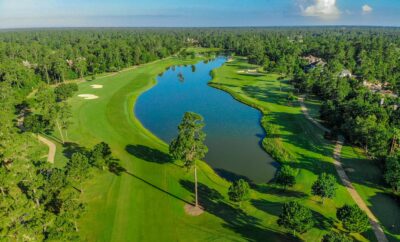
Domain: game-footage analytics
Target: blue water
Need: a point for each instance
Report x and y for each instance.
(233, 129)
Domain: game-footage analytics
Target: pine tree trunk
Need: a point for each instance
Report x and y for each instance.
(59, 129)
(393, 145)
(76, 226)
(47, 76)
(195, 183)
(36, 199)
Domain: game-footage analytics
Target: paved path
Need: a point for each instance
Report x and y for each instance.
(52, 148)
(376, 227)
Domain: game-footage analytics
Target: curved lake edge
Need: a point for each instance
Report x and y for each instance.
(235, 97)
(262, 111)
(151, 84)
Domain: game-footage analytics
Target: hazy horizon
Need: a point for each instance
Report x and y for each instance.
(196, 13)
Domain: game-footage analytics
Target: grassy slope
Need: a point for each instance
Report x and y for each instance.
(299, 136)
(146, 204)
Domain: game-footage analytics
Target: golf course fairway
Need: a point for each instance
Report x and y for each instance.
(146, 202)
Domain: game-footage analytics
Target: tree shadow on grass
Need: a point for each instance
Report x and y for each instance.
(391, 237)
(231, 176)
(148, 154)
(276, 191)
(385, 207)
(370, 235)
(234, 219)
(275, 209)
(115, 167)
(272, 208)
(157, 188)
(323, 223)
(71, 148)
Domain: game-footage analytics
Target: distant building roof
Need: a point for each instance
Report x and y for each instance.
(314, 61)
(345, 73)
(380, 88)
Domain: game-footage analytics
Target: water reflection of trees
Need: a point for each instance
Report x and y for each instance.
(181, 78)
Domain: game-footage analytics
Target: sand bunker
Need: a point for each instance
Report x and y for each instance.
(88, 96)
(253, 72)
(96, 86)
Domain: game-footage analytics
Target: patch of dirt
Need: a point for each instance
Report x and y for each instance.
(193, 210)
(52, 148)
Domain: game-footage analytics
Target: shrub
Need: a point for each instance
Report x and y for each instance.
(65, 91)
(239, 191)
(296, 218)
(353, 218)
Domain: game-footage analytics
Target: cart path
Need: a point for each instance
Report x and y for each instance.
(376, 227)
(52, 148)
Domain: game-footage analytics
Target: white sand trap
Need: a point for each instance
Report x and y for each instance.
(88, 96)
(97, 86)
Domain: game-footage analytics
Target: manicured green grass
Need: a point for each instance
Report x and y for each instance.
(146, 202)
(311, 153)
(36, 149)
(366, 176)
(313, 106)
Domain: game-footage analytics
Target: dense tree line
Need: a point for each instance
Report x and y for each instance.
(356, 74)
(40, 202)
(58, 55)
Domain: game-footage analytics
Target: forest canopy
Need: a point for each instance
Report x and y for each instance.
(354, 71)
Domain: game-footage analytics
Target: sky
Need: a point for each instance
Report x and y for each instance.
(196, 13)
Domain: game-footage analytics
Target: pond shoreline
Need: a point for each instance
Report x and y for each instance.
(254, 106)
(252, 168)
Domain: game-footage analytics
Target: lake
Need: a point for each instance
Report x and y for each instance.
(233, 129)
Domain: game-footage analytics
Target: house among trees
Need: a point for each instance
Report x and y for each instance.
(192, 41)
(29, 65)
(380, 88)
(314, 61)
(345, 73)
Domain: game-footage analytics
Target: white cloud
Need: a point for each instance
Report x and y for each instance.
(367, 9)
(325, 9)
